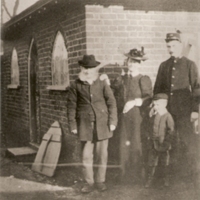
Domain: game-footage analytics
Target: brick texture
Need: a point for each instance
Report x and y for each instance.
(52, 104)
(123, 29)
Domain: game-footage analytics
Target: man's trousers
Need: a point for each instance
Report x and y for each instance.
(95, 151)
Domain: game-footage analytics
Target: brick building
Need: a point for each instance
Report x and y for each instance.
(45, 41)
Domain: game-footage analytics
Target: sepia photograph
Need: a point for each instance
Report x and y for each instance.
(100, 100)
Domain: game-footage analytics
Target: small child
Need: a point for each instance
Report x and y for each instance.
(159, 138)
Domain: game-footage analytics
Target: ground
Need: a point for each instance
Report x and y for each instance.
(18, 181)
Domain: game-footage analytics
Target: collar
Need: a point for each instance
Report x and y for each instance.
(175, 60)
(87, 82)
(162, 112)
(135, 75)
(84, 82)
(154, 112)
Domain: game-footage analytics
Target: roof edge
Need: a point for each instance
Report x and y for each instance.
(27, 12)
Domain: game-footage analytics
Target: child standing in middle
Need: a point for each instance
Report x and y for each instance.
(159, 138)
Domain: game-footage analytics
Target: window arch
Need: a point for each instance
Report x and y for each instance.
(60, 68)
(14, 68)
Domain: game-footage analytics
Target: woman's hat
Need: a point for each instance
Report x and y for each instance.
(136, 54)
(88, 61)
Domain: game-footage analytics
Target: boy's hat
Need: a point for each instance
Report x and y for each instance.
(88, 61)
(173, 36)
(160, 96)
(136, 54)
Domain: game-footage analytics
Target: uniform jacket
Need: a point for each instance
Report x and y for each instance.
(161, 131)
(87, 103)
(178, 79)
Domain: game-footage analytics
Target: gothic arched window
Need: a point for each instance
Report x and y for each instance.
(60, 69)
(14, 68)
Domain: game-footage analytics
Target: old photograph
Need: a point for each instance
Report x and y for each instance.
(100, 99)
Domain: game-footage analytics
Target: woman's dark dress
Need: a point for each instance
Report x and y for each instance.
(127, 88)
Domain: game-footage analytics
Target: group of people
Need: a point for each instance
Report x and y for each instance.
(150, 121)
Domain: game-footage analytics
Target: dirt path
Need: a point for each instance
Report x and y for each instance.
(182, 189)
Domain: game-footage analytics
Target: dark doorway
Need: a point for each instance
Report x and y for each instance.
(34, 95)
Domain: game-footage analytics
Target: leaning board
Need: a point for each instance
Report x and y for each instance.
(48, 154)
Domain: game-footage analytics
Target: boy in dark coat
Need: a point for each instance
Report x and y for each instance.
(92, 114)
(160, 135)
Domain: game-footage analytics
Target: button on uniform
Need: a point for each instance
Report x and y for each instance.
(171, 93)
(174, 68)
(173, 76)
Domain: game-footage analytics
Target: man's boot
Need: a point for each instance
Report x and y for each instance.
(87, 188)
(151, 172)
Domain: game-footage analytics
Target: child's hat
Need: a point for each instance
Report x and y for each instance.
(160, 96)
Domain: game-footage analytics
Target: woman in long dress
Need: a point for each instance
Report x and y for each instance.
(133, 93)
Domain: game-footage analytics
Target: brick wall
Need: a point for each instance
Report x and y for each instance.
(14, 109)
(52, 104)
(114, 30)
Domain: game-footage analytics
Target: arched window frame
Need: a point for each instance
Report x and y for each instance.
(14, 70)
(59, 64)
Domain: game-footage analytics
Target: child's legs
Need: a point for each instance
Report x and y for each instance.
(152, 163)
(153, 158)
(164, 158)
(164, 161)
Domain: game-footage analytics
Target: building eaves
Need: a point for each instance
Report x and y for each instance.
(32, 9)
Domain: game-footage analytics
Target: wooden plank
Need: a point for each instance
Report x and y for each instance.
(21, 151)
(49, 151)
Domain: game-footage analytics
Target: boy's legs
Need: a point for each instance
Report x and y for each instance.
(152, 163)
(165, 157)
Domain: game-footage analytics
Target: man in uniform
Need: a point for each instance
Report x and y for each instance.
(178, 77)
(92, 114)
